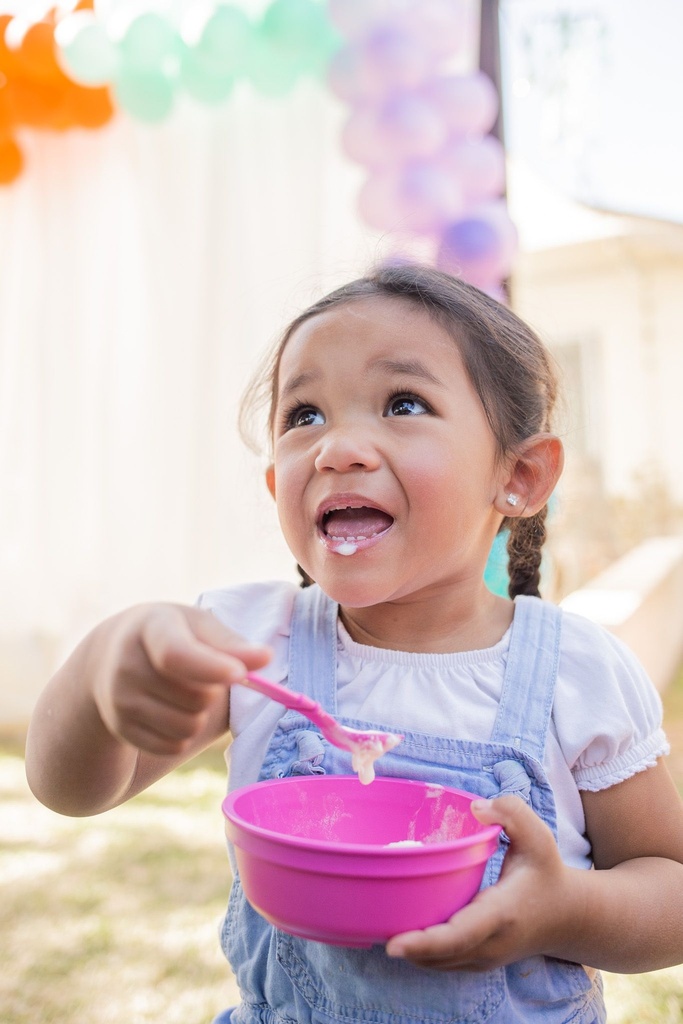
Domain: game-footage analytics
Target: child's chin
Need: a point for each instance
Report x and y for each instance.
(353, 593)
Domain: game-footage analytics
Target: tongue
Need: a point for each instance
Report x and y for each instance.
(356, 522)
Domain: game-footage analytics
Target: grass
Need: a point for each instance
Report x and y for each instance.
(114, 919)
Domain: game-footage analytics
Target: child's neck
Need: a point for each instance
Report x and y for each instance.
(426, 626)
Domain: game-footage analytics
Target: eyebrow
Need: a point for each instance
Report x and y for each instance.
(408, 368)
(299, 381)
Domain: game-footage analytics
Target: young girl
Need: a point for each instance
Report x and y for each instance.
(410, 422)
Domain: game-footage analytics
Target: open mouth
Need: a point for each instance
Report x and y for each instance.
(348, 528)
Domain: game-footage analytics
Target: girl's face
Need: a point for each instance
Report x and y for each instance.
(385, 471)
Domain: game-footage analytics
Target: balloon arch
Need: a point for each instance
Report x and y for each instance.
(421, 130)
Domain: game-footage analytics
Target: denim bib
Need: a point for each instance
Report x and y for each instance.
(288, 980)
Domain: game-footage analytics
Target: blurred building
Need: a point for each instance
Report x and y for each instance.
(604, 291)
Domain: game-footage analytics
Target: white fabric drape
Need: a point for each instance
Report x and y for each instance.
(143, 270)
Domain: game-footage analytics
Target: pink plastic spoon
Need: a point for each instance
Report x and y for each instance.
(366, 745)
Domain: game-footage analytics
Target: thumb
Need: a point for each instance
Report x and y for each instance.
(526, 831)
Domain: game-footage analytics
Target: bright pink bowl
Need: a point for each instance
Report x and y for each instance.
(314, 859)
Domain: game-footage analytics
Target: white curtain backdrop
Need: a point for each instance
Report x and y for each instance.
(143, 271)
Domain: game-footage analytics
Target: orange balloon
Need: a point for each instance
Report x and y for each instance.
(37, 93)
(61, 116)
(11, 161)
(7, 120)
(68, 7)
(38, 53)
(34, 103)
(91, 108)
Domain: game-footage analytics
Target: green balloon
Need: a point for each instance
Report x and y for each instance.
(226, 41)
(301, 30)
(145, 95)
(150, 43)
(272, 71)
(316, 60)
(203, 80)
(295, 24)
(84, 49)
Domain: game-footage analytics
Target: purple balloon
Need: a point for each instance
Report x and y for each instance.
(349, 76)
(417, 198)
(470, 240)
(433, 197)
(496, 290)
(443, 27)
(478, 164)
(388, 61)
(405, 127)
(496, 212)
(411, 127)
(468, 103)
(480, 247)
(397, 59)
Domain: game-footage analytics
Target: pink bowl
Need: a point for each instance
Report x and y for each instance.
(314, 857)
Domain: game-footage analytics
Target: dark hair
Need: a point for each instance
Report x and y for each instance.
(507, 363)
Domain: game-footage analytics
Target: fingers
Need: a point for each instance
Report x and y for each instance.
(191, 644)
(165, 683)
(164, 732)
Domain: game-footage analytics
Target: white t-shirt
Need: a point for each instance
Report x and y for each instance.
(606, 723)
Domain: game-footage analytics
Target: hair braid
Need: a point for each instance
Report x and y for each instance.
(524, 548)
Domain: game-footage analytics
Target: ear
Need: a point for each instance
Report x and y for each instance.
(270, 479)
(531, 475)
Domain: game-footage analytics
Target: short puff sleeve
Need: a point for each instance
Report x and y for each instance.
(607, 713)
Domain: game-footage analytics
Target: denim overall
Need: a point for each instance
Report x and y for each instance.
(288, 980)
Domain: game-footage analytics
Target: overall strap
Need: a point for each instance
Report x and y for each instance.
(313, 647)
(526, 701)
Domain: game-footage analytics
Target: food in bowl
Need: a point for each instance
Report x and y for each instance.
(326, 858)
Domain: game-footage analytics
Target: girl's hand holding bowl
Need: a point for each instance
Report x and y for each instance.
(529, 911)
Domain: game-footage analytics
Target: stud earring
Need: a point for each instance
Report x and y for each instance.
(512, 499)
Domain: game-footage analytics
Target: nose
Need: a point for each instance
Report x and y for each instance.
(344, 449)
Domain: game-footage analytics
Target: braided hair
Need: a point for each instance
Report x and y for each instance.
(508, 365)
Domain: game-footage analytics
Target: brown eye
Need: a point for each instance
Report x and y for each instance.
(304, 416)
(406, 405)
